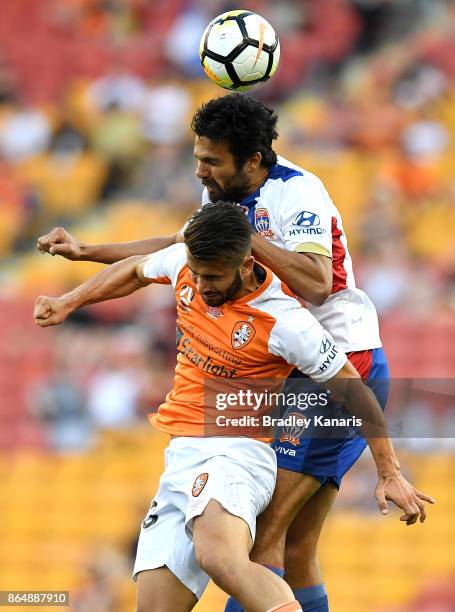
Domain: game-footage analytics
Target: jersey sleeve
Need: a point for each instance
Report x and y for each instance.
(301, 341)
(164, 266)
(306, 222)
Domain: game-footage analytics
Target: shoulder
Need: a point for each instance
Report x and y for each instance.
(291, 179)
(279, 302)
(166, 263)
(174, 252)
(292, 190)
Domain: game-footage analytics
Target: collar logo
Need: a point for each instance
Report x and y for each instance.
(242, 334)
(214, 312)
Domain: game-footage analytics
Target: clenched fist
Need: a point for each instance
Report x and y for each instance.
(60, 242)
(50, 311)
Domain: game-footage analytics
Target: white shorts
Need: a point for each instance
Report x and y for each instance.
(239, 473)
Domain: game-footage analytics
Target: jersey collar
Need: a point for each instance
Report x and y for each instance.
(250, 199)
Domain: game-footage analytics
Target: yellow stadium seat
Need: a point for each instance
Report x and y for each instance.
(66, 184)
(48, 532)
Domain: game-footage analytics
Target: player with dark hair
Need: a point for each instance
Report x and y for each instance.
(229, 235)
(202, 520)
(247, 125)
(299, 235)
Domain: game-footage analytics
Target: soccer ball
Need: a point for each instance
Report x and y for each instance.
(239, 49)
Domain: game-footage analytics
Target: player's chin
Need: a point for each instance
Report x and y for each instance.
(215, 195)
(213, 299)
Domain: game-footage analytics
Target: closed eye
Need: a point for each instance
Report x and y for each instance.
(207, 160)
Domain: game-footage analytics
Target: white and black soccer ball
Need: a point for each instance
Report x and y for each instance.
(239, 49)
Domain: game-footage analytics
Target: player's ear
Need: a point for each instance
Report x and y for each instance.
(254, 162)
(247, 265)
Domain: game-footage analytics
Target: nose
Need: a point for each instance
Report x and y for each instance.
(202, 170)
(203, 286)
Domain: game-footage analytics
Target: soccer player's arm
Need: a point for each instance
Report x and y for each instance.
(118, 280)
(60, 242)
(305, 265)
(303, 342)
(347, 386)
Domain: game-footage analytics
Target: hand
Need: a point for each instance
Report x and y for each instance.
(50, 311)
(397, 489)
(60, 242)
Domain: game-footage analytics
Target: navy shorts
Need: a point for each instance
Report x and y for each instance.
(328, 456)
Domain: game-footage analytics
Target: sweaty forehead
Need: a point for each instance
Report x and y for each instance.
(206, 148)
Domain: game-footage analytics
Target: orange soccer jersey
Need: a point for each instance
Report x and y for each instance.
(258, 338)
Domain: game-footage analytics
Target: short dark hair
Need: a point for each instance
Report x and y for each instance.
(242, 121)
(219, 232)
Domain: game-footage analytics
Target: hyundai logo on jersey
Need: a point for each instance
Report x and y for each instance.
(307, 219)
(262, 221)
(325, 345)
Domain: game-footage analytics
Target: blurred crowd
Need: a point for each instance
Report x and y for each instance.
(96, 98)
(365, 93)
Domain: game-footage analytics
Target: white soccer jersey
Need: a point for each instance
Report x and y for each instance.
(294, 211)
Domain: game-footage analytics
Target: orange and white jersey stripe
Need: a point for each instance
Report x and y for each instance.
(261, 336)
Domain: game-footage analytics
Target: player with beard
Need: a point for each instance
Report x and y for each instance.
(202, 520)
(299, 235)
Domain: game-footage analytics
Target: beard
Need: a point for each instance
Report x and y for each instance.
(220, 297)
(234, 191)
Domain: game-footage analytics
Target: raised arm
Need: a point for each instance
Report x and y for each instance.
(60, 242)
(308, 275)
(361, 402)
(118, 280)
(302, 341)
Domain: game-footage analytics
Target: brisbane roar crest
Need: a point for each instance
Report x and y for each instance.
(242, 334)
(199, 484)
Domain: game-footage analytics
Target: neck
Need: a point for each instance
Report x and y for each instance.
(258, 180)
(250, 284)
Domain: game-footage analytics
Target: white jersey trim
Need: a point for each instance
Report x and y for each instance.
(166, 263)
(297, 337)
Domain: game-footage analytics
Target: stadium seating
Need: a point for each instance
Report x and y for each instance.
(65, 513)
(58, 511)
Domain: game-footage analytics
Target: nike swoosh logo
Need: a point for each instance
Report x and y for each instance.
(262, 27)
